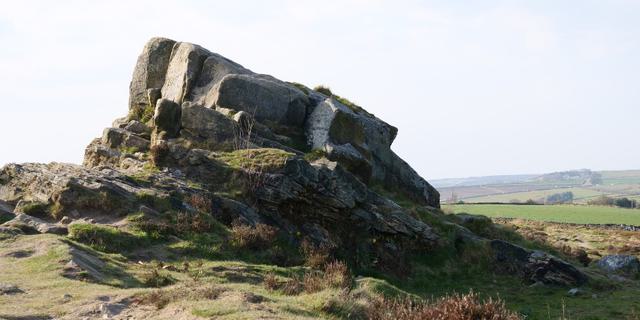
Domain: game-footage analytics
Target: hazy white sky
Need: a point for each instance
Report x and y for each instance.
(475, 87)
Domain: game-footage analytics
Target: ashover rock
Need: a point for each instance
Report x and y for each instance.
(200, 125)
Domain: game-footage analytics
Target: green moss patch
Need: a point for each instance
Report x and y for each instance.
(262, 159)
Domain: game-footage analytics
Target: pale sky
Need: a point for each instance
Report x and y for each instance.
(474, 87)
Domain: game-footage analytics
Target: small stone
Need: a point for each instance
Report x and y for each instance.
(65, 220)
(66, 297)
(574, 292)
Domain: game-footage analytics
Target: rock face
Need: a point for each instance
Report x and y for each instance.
(197, 118)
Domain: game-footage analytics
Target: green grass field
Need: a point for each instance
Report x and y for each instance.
(557, 213)
(578, 193)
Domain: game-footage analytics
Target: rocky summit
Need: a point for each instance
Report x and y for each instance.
(209, 150)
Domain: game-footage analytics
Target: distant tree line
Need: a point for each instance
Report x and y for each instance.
(624, 202)
(556, 198)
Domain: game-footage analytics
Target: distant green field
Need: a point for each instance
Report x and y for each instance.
(557, 213)
(578, 193)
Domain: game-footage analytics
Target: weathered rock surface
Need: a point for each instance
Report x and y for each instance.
(264, 97)
(283, 116)
(623, 264)
(149, 72)
(29, 224)
(535, 266)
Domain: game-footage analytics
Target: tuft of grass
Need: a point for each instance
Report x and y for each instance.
(104, 238)
(324, 90)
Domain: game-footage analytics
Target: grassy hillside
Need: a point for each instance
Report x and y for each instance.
(557, 213)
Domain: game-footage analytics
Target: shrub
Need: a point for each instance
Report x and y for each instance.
(156, 278)
(562, 197)
(199, 202)
(158, 298)
(103, 238)
(601, 201)
(271, 282)
(315, 256)
(193, 222)
(259, 237)
(455, 307)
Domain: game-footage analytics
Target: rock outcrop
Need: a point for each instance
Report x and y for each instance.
(302, 160)
(192, 82)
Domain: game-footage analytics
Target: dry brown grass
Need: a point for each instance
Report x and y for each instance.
(199, 202)
(259, 237)
(315, 257)
(455, 307)
(271, 282)
(292, 287)
(336, 274)
(193, 222)
(162, 297)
